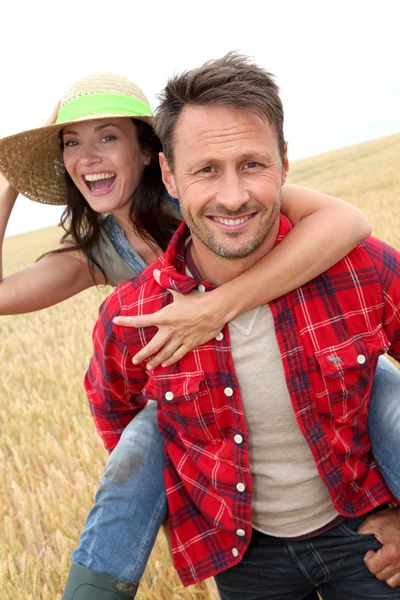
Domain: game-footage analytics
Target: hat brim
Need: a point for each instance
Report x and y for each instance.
(32, 160)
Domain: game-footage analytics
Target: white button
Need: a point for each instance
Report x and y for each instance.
(169, 396)
(240, 532)
(228, 391)
(219, 336)
(201, 288)
(238, 438)
(235, 552)
(240, 487)
(361, 359)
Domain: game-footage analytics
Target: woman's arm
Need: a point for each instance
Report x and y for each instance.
(8, 197)
(326, 229)
(54, 278)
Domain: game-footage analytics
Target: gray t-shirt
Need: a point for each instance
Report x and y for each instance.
(118, 259)
(116, 269)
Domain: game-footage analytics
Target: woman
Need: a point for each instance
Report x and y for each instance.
(111, 166)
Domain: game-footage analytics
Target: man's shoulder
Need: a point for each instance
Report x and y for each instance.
(371, 264)
(372, 252)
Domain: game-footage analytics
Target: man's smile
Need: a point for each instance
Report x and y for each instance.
(232, 223)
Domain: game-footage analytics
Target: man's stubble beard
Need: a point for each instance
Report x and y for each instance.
(209, 240)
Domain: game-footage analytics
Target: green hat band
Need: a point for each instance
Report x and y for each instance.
(103, 103)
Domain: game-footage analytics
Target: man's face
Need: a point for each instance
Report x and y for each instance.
(227, 175)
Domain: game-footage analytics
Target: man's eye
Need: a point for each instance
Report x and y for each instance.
(252, 164)
(207, 170)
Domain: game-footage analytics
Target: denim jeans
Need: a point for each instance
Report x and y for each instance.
(384, 423)
(131, 505)
(332, 563)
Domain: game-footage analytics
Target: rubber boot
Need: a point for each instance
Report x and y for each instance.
(84, 584)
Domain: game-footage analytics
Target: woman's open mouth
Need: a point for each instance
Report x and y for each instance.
(100, 183)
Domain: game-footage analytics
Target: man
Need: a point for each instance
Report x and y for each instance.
(268, 466)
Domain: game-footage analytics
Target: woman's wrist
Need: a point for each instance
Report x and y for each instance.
(7, 192)
(224, 304)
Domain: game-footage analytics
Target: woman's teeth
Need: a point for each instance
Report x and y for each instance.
(98, 176)
(99, 182)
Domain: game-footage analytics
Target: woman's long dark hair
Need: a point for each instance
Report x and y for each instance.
(149, 216)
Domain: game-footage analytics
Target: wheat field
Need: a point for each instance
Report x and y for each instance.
(51, 456)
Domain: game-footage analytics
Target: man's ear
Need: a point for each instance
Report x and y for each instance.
(285, 169)
(167, 176)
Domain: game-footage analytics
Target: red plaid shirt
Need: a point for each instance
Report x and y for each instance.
(330, 333)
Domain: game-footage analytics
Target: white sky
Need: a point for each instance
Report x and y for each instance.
(337, 62)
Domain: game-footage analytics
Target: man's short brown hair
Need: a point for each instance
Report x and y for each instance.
(233, 81)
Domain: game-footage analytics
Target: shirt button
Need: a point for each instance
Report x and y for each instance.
(361, 359)
(238, 438)
(235, 552)
(240, 532)
(219, 336)
(169, 396)
(201, 288)
(228, 391)
(240, 487)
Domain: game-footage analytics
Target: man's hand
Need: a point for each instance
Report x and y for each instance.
(385, 562)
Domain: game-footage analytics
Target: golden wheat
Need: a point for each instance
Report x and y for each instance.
(51, 457)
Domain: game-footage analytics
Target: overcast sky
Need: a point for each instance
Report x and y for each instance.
(337, 63)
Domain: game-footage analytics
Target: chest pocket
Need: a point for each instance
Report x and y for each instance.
(184, 401)
(347, 371)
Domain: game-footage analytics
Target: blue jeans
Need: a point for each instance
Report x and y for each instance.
(131, 504)
(331, 562)
(384, 423)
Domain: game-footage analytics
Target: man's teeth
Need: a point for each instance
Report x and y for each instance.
(98, 176)
(232, 221)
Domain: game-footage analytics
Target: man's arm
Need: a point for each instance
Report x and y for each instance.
(113, 383)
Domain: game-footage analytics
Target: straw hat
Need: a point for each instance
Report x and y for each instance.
(31, 161)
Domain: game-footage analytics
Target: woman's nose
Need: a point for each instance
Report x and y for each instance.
(89, 155)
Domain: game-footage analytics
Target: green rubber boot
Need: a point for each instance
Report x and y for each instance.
(84, 584)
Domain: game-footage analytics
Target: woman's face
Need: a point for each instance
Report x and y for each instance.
(105, 162)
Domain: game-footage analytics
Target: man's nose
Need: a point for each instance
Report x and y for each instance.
(233, 192)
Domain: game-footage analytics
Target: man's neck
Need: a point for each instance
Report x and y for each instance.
(217, 270)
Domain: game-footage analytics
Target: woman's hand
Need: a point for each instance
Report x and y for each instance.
(185, 324)
(53, 117)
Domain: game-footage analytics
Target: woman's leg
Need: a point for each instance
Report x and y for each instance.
(129, 509)
(384, 423)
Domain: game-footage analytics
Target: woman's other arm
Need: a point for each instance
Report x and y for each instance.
(54, 278)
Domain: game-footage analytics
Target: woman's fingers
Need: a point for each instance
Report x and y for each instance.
(53, 117)
(161, 344)
(152, 320)
(170, 353)
(172, 358)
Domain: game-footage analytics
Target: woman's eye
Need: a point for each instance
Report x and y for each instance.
(70, 143)
(108, 138)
